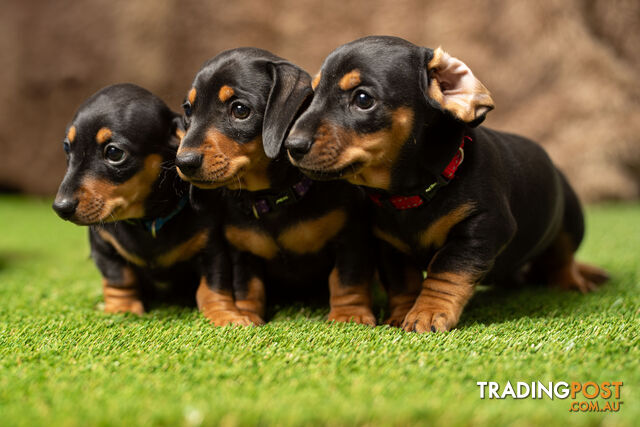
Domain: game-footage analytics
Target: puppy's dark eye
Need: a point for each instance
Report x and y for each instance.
(187, 108)
(240, 111)
(114, 155)
(66, 147)
(363, 100)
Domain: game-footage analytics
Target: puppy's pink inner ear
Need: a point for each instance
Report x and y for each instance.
(456, 89)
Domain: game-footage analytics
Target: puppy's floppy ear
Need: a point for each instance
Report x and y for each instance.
(290, 87)
(177, 131)
(449, 84)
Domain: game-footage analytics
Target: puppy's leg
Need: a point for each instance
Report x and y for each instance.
(248, 286)
(349, 302)
(401, 280)
(557, 265)
(215, 295)
(120, 284)
(440, 302)
(350, 280)
(121, 295)
(467, 255)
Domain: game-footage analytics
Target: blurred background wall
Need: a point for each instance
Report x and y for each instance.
(564, 72)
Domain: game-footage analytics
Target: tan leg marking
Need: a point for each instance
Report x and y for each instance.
(122, 297)
(219, 307)
(440, 302)
(349, 303)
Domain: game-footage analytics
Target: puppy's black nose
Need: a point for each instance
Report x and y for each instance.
(298, 146)
(189, 162)
(65, 207)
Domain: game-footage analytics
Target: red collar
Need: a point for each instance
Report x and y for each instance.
(410, 202)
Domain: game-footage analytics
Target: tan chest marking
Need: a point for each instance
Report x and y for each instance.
(311, 236)
(254, 241)
(392, 240)
(184, 251)
(436, 234)
(132, 258)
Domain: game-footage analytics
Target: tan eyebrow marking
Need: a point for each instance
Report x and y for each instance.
(350, 80)
(192, 95)
(103, 135)
(316, 80)
(71, 135)
(225, 93)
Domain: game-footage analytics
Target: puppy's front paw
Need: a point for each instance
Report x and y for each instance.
(255, 318)
(424, 320)
(400, 306)
(132, 306)
(122, 300)
(356, 314)
(440, 304)
(231, 317)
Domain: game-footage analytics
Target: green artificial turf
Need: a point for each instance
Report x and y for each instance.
(64, 362)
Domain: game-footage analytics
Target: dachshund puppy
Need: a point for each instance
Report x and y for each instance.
(461, 202)
(122, 183)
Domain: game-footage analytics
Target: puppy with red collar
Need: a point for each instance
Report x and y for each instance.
(461, 202)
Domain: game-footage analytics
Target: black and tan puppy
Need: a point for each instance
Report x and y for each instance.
(285, 231)
(464, 203)
(122, 183)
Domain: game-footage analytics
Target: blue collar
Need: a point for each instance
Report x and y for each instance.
(153, 225)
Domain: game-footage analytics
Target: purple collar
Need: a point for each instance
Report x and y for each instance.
(266, 204)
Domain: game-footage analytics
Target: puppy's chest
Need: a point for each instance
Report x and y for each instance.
(161, 252)
(417, 232)
(294, 236)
